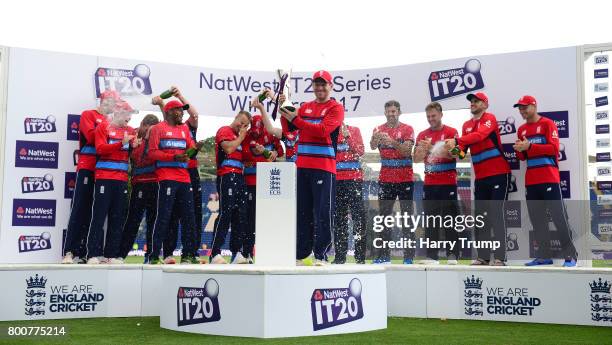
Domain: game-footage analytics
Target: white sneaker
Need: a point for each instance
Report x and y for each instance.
(93, 261)
(115, 261)
(300, 263)
(239, 259)
(428, 262)
(452, 262)
(318, 262)
(250, 260)
(169, 260)
(68, 259)
(218, 260)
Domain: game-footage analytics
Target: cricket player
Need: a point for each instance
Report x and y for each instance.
(349, 195)
(110, 196)
(394, 140)
(319, 123)
(538, 145)
(168, 142)
(80, 210)
(192, 124)
(440, 187)
(143, 197)
(481, 135)
(231, 188)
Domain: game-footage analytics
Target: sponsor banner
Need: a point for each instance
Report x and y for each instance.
(602, 115)
(32, 125)
(33, 243)
(600, 59)
(127, 82)
(602, 129)
(604, 229)
(602, 157)
(507, 126)
(565, 184)
(511, 157)
(456, 81)
(604, 171)
(513, 213)
(601, 101)
(37, 184)
(561, 119)
(604, 185)
(332, 307)
(36, 154)
(34, 212)
(69, 184)
(601, 87)
(600, 73)
(198, 304)
(604, 200)
(527, 297)
(602, 143)
(72, 127)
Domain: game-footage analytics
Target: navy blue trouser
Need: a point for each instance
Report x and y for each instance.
(170, 244)
(232, 211)
(249, 236)
(542, 199)
(486, 189)
(349, 200)
(173, 198)
(80, 213)
(441, 200)
(110, 201)
(387, 194)
(143, 198)
(316, 201)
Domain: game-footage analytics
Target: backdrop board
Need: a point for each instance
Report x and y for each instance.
(47, 91)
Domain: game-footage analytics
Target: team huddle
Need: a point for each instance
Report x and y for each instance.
(159, 158)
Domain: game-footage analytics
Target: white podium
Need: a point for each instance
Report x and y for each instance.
(276, 214)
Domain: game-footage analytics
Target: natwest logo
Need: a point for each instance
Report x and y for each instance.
(36, 154)
(33, 212)
(333, 307)
(511, 157)
(561, 120)
(72, 127)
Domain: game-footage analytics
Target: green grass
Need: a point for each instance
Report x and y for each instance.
(350, 259)
(146, 330)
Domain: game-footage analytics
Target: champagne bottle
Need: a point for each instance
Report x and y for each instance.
(166, 94)
(457, 151)
(191, 152)
(262, 96)
(267, 153)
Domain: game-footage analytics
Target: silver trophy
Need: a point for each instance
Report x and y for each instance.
(285, 89)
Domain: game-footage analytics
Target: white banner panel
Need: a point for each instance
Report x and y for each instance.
(35, 292)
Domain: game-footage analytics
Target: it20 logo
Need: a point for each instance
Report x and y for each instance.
(456, 81)
(333, 307)
(126, 82)
(198, 305)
